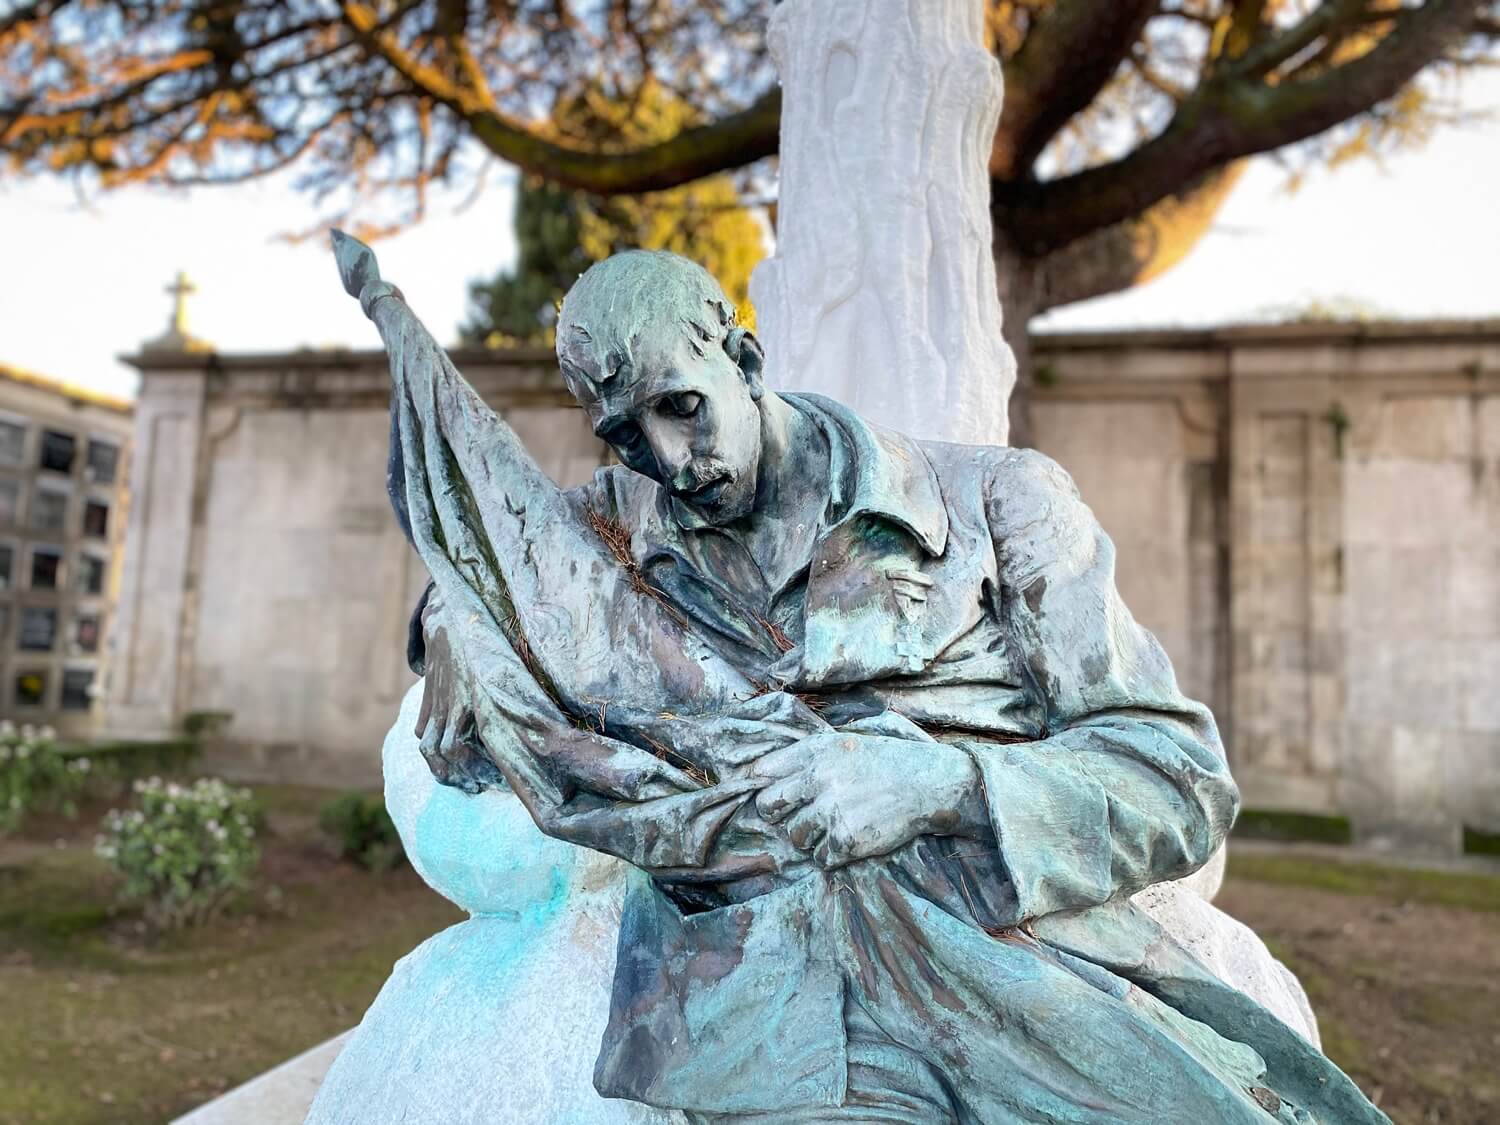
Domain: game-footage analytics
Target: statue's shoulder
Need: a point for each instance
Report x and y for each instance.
(1013, 482)
(1028, 504)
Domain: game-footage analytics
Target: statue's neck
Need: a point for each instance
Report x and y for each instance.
(793, 491)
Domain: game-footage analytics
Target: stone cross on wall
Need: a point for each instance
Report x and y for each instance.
(180, 290)
(177, 338)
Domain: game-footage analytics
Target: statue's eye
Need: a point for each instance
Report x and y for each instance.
(683, 405)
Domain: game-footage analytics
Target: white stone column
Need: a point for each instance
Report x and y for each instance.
(882, 290)
(145, 643)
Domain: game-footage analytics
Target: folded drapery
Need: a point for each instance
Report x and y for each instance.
(1008, 963)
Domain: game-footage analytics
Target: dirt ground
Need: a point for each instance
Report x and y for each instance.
(102, 1026)
(1405, 981)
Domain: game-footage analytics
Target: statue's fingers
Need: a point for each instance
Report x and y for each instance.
(430, 745)
(424, 715)
(806, 830)
(428, 738)
(446, 749)
(780, 764)
(660, 779)
(436, 693)
(781, 798)
(472, 770)
(752, 748)
(832, 851)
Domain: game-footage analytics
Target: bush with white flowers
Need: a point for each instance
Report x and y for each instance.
(34, 774)
(185, 850)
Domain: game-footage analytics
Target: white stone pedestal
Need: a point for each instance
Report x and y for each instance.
(498, 1018)
(280, 1096)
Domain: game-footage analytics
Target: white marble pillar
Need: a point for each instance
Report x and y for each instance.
(882, 292)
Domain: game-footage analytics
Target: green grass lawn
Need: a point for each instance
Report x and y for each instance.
(103, 1025)
(1404, 884)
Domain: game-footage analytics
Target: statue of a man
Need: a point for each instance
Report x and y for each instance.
(868, 711)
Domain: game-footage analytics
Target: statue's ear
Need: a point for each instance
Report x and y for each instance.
(749, 357)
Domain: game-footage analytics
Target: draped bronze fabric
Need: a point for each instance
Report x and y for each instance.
(625, 692)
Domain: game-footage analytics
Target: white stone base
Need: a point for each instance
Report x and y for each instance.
(499, 1018)
(281, 1096)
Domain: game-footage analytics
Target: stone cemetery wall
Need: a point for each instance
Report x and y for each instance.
(1307, 516)
(267, 587)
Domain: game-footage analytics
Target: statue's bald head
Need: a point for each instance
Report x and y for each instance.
(632, 296)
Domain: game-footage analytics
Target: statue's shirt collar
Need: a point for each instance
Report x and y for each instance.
(877, 472)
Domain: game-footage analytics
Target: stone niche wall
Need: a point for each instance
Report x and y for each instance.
(274, 585)
(1422, 617)
(1307, 517)
(1146, 457)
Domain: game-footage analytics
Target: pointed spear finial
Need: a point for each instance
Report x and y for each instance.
(360, 272)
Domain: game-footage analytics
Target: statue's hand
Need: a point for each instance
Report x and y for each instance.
(447, 733)
(845, 796)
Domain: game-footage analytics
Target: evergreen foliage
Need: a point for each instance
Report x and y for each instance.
(560, 233)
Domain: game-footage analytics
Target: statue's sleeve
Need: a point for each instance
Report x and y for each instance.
(1129, 785)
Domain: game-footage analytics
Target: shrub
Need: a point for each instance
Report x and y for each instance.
(185, 850)
(361, 830)
(35, 774)
(122, 761)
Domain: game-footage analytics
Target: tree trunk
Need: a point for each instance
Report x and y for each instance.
(1106, 261)
(882, 289)
(1018, 289)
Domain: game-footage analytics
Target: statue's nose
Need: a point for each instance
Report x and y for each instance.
(674, 460)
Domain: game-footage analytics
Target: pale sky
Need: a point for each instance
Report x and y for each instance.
(82, 285)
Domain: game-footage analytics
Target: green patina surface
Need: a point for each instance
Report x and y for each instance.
(933, 865)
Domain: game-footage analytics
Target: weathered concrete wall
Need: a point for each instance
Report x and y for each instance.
(1308, 517)
(271, 585)
(1421, 526)
(144, 650)
(1142, 436)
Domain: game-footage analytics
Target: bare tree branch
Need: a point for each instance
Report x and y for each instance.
(1135, 250)
(376, 100)
(729, 142)
(1066, 58)
(1229, 117)
(1271, 53)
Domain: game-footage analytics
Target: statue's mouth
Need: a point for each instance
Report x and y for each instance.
(704, 494)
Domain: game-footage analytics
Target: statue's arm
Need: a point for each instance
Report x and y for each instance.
(1129, 786)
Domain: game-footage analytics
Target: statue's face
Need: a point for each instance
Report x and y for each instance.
(690, 422)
